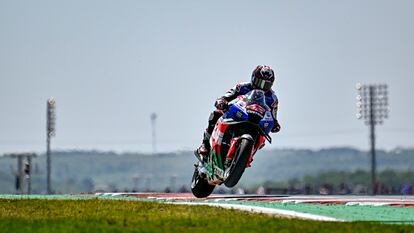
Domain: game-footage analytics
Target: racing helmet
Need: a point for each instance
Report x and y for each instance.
(263, 77)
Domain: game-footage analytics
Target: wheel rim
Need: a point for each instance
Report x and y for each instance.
(195, 179)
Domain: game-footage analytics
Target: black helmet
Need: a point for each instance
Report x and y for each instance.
(263, 77)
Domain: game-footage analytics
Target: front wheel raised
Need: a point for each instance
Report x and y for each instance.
(199, 186)
(239, 162)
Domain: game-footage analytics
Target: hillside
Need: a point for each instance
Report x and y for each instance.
(82, 171)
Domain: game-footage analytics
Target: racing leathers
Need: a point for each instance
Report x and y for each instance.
(221, 105)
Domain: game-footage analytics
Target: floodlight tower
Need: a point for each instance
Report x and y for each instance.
(23, 173)
(50, 132)
(154, 142)
(372, 107)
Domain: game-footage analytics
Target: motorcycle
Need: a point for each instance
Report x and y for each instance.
(236, 137)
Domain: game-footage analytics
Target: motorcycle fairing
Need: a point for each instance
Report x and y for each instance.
(236, 114)
(237, 111)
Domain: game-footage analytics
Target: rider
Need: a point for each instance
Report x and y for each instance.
(263, 78)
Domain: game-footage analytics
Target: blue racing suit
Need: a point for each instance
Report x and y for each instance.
(241, 89)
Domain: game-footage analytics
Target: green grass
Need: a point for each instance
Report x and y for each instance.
(134, 216)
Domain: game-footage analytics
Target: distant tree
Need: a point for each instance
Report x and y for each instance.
(87, 185)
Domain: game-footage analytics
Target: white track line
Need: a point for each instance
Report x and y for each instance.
(264, 210)
(369, 203)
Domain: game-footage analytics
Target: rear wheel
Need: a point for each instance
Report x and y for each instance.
(199, 185)
(238, 163)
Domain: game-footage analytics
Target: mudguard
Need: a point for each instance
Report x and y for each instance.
(248, 137)
(234, 142)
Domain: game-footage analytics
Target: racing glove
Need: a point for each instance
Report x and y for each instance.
(222, 104)
(276, 127)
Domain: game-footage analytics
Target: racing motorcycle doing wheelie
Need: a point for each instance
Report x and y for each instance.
(236, 137)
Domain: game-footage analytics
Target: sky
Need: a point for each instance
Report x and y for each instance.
(110, 64)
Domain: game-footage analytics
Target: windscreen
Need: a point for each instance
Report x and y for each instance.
(256, 97)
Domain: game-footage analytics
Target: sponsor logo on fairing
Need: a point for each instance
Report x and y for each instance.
(256, 108)
(239, 114)
(219, 172)
(217, 135)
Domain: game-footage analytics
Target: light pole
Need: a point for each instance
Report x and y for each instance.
(154, 142)
(23, 173)
(173, 181)
(50, 132)
(136, 180)
(372, 107)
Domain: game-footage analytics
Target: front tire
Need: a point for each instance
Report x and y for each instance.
(199, 185)
(239, 162)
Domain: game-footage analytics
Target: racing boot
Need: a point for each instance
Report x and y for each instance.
(204, 150)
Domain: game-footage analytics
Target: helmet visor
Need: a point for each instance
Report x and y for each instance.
(263, 84)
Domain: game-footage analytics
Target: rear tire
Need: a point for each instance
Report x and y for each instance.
(199, 186)
(239, 162)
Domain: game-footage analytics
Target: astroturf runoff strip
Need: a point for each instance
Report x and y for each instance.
(386, 214)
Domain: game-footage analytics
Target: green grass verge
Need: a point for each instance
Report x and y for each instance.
(134, 216)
